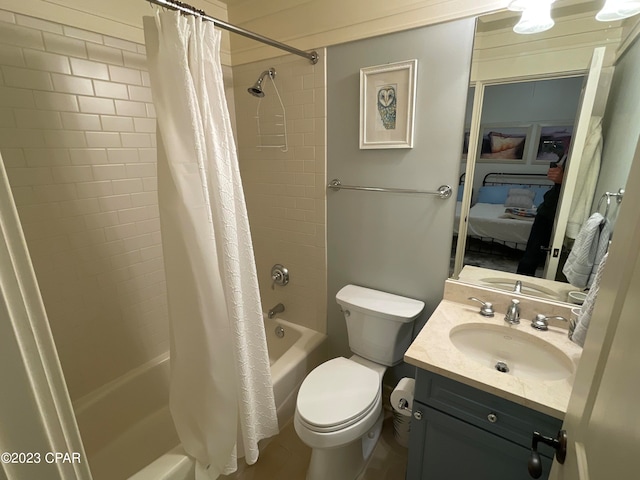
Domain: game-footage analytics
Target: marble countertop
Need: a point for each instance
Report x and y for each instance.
(432, 350)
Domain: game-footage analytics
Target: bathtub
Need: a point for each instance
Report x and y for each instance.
(126, 426)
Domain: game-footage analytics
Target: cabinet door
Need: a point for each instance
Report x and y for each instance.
(445, 448)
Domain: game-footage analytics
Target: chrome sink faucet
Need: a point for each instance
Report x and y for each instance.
(512, 316)
(518, 287)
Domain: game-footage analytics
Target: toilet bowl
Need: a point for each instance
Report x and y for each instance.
(339, 405)
(329, 417)
(339, 415)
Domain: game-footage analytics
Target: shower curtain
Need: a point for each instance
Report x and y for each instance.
(220, 388)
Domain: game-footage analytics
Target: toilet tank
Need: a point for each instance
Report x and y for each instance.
(379, 324)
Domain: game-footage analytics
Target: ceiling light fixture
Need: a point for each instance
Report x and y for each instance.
(536, 15)
(618, 9)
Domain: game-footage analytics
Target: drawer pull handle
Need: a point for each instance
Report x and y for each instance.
(492, 417)
(417, 415)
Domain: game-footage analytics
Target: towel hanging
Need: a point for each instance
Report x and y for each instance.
(587, 252)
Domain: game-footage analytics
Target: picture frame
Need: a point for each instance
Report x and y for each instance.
(554, 141)
(387, 105)
(507, 143)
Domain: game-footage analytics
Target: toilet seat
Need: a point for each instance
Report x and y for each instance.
(341, 426)
(337, 394)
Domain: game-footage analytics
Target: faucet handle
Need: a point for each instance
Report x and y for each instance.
(486, 310)
(279, 276)
(541, 322)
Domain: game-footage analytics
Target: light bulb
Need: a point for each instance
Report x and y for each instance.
(617, 10)
(536, 18)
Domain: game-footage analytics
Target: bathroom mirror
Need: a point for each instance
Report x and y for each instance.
(505, 63)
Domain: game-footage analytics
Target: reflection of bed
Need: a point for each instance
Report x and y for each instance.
(487, 220)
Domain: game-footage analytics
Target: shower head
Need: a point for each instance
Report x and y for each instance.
(256, 89)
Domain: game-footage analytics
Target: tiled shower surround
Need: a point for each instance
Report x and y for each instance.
(77, 136)
(286, 190)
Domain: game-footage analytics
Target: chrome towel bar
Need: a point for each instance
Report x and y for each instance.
(607, 196)
(444, 191)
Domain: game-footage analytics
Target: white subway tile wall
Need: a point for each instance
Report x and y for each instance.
(77, 136)
(286, 191)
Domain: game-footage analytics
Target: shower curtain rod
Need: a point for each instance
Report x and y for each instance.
(184, 8)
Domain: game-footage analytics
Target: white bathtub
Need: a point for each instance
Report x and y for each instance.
(126, 426)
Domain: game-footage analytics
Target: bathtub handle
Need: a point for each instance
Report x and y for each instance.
(279, 275)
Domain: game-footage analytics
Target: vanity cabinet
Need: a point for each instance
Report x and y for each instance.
(459, 432)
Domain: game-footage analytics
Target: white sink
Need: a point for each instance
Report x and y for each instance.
(523, 354)
(527, 288)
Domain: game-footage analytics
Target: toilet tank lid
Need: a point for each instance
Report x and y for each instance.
(380, 302)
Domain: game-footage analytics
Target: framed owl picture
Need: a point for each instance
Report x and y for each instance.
(387, 105)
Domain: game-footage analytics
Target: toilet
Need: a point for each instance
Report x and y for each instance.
(339, 405)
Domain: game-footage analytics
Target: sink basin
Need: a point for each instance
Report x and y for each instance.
(511, 351)
(527, 288)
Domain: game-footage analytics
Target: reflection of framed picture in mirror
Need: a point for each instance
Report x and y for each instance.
(504, 143)
(387, 103)
(554, 142)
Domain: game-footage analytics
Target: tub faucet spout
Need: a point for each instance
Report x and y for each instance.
(279, 308)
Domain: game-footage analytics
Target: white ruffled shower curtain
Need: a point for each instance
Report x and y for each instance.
(220, 387)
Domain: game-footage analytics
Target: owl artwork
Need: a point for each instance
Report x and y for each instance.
(387, 106)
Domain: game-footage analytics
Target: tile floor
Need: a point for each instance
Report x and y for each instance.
(286, 457)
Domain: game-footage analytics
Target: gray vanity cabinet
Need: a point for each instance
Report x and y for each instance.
(461, 433)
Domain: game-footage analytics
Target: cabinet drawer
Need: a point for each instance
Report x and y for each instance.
(493, 414)
(445, 448)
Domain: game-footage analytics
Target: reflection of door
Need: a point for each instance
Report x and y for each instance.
(585, 112)
(603, 418)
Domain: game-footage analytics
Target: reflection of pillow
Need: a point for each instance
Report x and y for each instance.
(500, 142)
(493, 193)
(520, 198)
(540, 191)
(508, 154)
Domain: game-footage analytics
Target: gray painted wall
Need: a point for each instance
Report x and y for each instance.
(395, 243)
(539, 101)
(621, 124)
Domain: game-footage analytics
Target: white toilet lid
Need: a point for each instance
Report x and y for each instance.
(337, 392)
